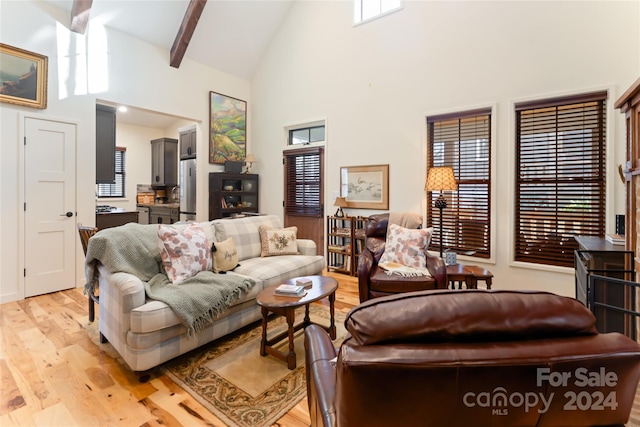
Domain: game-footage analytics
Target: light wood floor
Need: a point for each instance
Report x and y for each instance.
(55, 373)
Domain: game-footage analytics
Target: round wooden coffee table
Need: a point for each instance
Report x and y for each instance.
(322, 287)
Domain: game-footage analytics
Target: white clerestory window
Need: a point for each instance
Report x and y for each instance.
(367, 10)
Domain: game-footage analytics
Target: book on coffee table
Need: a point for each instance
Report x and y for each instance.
(304, 282)
(289, 290)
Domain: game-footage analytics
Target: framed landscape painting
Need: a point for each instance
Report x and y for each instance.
(227, 128)
(23, 77)
(365, 187)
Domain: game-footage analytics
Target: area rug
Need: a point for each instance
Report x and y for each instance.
(242, 388)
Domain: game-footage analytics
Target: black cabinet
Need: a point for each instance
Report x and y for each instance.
(164, 162)
(232, 194)
(597, 260)
(188, 144)
(115, 218)
(105, 144)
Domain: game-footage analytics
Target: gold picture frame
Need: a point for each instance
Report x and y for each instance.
(23, 77)
(365, 187)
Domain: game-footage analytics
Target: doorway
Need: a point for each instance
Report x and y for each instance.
(304, 193)
(50, 206)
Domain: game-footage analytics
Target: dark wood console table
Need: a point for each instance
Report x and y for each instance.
(598, 258)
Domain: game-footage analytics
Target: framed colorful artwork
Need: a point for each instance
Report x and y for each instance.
(227, 128)
(23, 77)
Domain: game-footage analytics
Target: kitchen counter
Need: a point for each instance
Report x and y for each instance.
(115, 217)
(160, 205)
(161, 213)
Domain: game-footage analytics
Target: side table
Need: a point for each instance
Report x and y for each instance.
(322, 287)
(479, 273)
(469, 274)
(457, 273)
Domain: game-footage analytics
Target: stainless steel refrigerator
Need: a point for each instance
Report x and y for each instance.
(188, 190)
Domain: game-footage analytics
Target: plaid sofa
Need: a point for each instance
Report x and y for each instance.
(147, 333)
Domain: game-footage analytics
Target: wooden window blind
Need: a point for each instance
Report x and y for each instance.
(303, 169)
(462, 141)
(117, 189)
(560, 176)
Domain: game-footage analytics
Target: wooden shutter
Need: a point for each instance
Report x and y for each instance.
(560, 176)
(303, 169)
(463, 141)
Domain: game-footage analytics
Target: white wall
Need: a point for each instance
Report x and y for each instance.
(131, 72)
(375, 84)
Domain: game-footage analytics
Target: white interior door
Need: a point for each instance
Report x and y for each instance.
(50, 209)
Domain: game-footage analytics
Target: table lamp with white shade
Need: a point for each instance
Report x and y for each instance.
(248, 161)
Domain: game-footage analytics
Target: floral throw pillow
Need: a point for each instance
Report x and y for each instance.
(280, 241)
(225, 256)
(184, 252)
(407, 246)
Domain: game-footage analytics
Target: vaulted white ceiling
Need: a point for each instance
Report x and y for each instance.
(231, 35)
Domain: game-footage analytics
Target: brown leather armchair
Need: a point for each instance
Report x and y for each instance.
(373, 282)
(473, 358)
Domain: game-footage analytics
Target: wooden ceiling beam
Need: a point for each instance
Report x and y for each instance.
(80, 15)
(188, 26)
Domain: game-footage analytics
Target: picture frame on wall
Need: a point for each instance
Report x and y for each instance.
(227, 128)
(365, 187)
(23, 77)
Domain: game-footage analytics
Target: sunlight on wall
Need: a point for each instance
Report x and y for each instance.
(82, 61)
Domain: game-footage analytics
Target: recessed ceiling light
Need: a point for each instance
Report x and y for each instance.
(122, 109)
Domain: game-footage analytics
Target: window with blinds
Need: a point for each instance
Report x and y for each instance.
(560, 176)
(463, 142)
(303, 169)
(117, 189)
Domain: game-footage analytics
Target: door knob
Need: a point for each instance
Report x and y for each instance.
(68, 214)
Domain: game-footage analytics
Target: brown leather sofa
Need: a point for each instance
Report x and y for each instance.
(373, 282)
(471, 358)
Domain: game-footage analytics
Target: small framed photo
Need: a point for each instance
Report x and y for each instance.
(23, 77)
(365, 187)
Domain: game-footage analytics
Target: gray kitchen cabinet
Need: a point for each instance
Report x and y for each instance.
(188, 144)
(163, 215)
(105, 144)
(164, 162)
